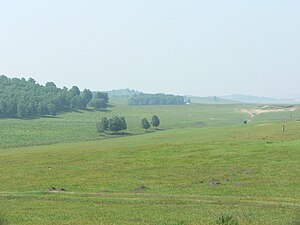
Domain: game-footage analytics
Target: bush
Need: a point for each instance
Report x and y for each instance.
(227, 220)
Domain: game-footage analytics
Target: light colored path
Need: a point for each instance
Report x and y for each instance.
(256, 111)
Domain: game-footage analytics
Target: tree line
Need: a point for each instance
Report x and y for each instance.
(117, 124)
(156, 99)
(25, 98)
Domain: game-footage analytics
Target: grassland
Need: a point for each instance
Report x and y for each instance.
(81, 125)
(183, 174)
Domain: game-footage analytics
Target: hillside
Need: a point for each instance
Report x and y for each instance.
(211, 100)
(182, 176)
(259, 100)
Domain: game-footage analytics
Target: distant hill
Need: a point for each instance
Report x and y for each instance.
(259, 100)
(124, 95)
(210, 100)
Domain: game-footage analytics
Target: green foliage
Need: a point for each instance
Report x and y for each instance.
(98, 103)
(227, 220)
(116, 124)
(102, 126)
(23, 99)
(156, 99)
(155, 121)
(3, 221)
(102, 95)
(100, 100)
(145, 124)
(87, 96)
(123, 123)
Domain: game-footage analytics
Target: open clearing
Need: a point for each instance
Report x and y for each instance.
(183, 174)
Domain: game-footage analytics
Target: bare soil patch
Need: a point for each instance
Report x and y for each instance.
(267, 109)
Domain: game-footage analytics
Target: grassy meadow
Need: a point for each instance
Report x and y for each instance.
(203, 163)
(81, 125)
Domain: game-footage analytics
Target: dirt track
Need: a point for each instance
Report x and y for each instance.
(257, 111)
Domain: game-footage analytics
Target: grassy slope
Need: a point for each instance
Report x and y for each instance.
(257, 166)
(80, 126)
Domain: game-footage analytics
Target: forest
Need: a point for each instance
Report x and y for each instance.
(156, 99)
(21, 98)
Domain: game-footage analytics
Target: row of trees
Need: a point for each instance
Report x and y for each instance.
(26, 98)
(156, 99)
(117, 124)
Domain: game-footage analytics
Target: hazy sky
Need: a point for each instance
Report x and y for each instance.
(196, 47)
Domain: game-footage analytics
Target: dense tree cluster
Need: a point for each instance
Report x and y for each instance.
(156, 99)
(114, 124)
(26, 98)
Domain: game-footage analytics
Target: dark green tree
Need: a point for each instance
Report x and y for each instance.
(155, 121)
(74, 91)
(102, 126)
(123, 123)
(145, 124)
(86, 96)
(51, 109)
(102, 95)
(98, 103)
(116, 124)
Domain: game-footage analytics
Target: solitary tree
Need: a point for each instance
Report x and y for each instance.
(145, 124)
(155, 121)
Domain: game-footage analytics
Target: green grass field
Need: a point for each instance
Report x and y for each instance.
(81, 126)
(185, 173)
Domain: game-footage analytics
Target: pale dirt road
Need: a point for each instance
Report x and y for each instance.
(256, 111)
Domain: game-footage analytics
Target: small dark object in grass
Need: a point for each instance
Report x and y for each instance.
(55, 189)
(200, 124)
(216, 183)
(139, 188)
(227, 220)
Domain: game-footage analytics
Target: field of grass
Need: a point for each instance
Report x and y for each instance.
(177, 176)
(81, 126)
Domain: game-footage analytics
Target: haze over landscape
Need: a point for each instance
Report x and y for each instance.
(153, 112)
(201, 48)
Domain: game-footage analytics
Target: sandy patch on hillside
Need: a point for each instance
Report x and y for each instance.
(263, 109)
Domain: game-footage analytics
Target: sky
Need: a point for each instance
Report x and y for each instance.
(189, 47)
